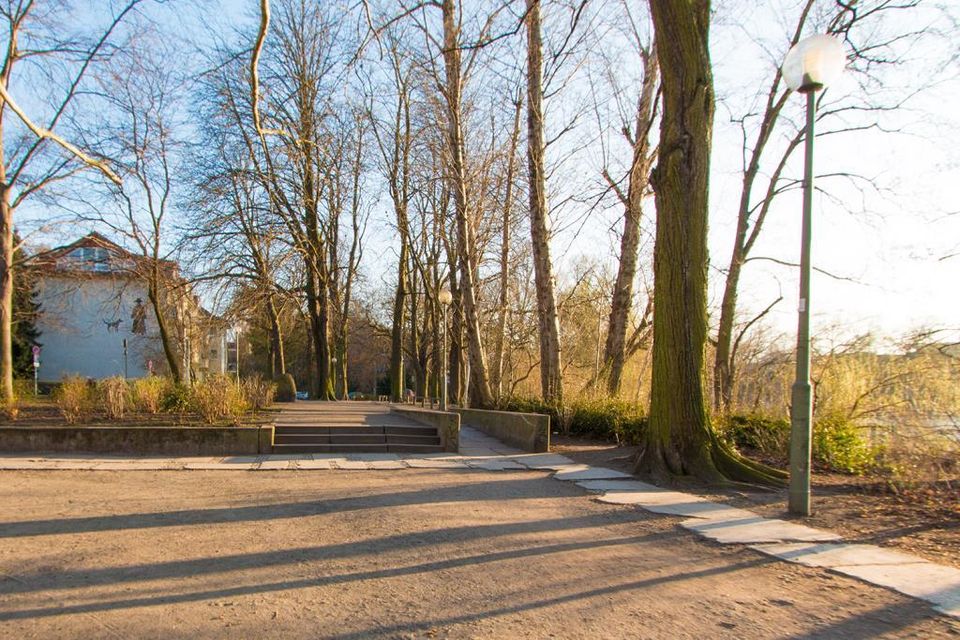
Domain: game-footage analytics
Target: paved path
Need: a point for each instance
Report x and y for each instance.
(311, 413)
(795, 543)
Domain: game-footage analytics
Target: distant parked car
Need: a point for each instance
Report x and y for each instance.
(303, 395)
(357, 395)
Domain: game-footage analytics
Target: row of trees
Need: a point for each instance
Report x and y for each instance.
(270, 171)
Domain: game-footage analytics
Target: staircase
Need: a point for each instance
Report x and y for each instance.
(350, 427)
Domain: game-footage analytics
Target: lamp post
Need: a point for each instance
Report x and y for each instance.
(445, 298)
(236, 345)
(810, 66)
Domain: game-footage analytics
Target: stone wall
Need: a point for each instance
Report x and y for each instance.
(447, 424)
(527, 431)
(143, 441)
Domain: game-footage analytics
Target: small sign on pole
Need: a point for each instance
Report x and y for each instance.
(36, 370)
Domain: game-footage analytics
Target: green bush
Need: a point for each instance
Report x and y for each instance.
(286, 388)
(622, 421)
(766, 435)
(605, 418)
(176, 398)
(148, 393)
(75, 399)
(113, 395)
(838, 443)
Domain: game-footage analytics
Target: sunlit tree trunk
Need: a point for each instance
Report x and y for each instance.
(551, 378)
(479, 384)
(679, 439)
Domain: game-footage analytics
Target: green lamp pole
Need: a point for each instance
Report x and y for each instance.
(809, 67)
(445, 298)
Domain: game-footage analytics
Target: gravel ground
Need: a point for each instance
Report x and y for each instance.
(394, 554)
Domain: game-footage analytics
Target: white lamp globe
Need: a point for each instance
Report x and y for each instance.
(445, 297)
(814, 63)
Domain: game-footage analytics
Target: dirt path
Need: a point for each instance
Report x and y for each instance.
(397, 554)
(922, 522)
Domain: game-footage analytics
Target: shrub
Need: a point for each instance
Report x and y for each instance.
(622, 421)
(838, 443)
(74, 397)
(607, 418)
(766, 435)
(175, 399)
(258, 392)
(114, 396)
(149, 393)
(286, 389)
(10, 410)
(23, 388)
(217, 398)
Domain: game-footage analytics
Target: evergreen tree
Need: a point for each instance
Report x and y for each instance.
(26, 310)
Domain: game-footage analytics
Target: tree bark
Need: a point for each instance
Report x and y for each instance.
(6, 288)
(551, 375)
(679, 439)
(480, 384)
(614, 355)
(505, 251)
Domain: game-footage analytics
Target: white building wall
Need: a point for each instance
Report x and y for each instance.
(74, 332)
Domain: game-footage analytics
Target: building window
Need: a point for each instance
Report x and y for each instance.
(90, 258)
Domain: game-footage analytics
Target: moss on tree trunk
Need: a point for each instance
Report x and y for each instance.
(679, 439)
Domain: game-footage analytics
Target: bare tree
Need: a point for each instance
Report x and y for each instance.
(28, 163)
(551, 377)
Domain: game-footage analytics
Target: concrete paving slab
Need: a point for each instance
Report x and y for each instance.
(214, 466)
(130, 466)
(75, 465)
(934, 583)
(242, 459)
(833, 555)
(477, 452)
(495, 464)
(275, 465)
(12, 464)
(904, 573)
(351, 465)
(386, 465)
(755, 530)
(699, 509)
(315, 464)
(435, 463)
(632, 486)
(370, 457)
(551, 461)
(590, 473)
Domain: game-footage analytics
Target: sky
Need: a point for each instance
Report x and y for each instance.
(886, 246)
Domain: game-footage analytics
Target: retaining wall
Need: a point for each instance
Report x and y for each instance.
(173, 441)
(527, 431)
(447, 424)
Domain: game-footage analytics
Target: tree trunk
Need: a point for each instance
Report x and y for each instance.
(505, 251)
(396, 333)
(6, 290)
(551, 381)
(480, 384)
(679, 438)
(620, 306)
(278, 363)
(153, 294)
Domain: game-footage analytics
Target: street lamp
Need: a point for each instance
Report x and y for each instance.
(810, 66)
(445, 298)
(236, 345)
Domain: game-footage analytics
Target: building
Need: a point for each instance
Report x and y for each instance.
(96, 320)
